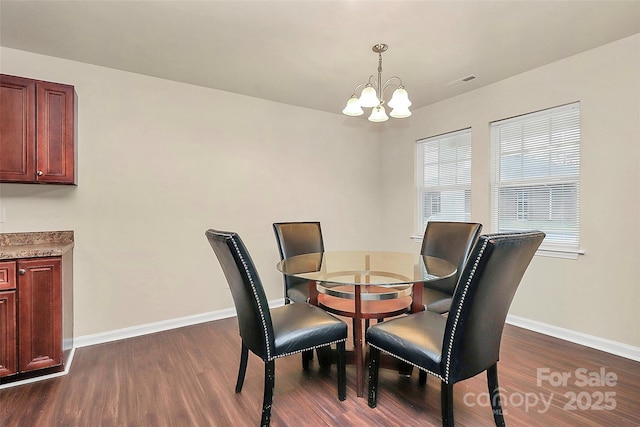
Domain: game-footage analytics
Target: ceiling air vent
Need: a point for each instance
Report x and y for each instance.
(462, 80)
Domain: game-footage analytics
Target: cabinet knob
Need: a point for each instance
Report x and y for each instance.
(40, 173)
(22, 272)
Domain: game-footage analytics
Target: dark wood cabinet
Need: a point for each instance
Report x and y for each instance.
(39, 313)
(37, 129)
(33, 309)
(8, 341)
(8, 338)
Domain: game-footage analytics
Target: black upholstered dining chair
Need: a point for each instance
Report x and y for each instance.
(272, 333)
(453, 242)
(467, 341)
(297, 238)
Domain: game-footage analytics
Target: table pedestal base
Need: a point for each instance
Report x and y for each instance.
(361, 310)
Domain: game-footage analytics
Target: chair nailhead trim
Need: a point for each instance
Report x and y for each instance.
(486, 238)
(305, 349)
(410, 363)
(255, 294)
(458, 309)
(264, 322)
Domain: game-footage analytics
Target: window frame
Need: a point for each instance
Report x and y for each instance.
(528, 185)
(422, 190)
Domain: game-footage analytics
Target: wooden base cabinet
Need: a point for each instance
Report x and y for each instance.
(39, 313)
(34, 310)
(8, 337)
(8, 340)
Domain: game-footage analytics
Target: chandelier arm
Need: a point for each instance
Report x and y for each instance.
(355, 89)
(388, 84)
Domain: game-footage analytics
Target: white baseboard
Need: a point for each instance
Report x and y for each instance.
(613, 347)
(164, 325)
(43, 377)
(619, 349)
(603, 344)
(150, 328)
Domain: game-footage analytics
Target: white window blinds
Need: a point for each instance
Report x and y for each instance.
(535, 166)
(444, 178)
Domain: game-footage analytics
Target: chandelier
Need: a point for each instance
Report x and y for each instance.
(372, 96)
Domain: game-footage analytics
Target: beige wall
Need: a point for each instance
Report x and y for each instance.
(599, 293)
(160, 162)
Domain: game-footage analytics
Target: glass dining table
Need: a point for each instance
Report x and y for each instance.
(366, 285)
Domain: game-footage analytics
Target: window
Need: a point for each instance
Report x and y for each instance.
(535, 166)
(444, 178)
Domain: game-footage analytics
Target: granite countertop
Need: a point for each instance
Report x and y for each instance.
(35, 244)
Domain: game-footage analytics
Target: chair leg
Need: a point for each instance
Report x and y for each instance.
(422, 379)
(306, 357)
(269, 383)
(446, 403)
(374, 365)
(404, 369)
(325, 356)
(342, 370)
(244, 355)
(494, 393)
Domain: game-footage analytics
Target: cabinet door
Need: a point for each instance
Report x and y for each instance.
(8, 341)
(39, 313)
(55, 133)
(7, 275)
(17, 129)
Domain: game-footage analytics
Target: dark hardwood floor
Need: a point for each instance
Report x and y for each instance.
(186, 377)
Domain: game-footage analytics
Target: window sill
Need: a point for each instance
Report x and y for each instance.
(560, 253)
(416, 238)
(545, 252)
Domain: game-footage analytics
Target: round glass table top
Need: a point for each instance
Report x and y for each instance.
(366, 268)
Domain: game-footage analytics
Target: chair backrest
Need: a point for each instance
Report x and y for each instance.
(254, 318)
(297, 238)
(452, 241)
(481, 302)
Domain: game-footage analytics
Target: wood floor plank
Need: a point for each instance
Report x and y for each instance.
(186, 377)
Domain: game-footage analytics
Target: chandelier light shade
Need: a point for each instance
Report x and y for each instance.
(372, 96)
(378, 114)
(353, 107)
(369, 97)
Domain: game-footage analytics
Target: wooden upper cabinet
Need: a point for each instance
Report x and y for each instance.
(37, 131)
(17, 129)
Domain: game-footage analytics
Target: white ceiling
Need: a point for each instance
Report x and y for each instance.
(313, 53)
